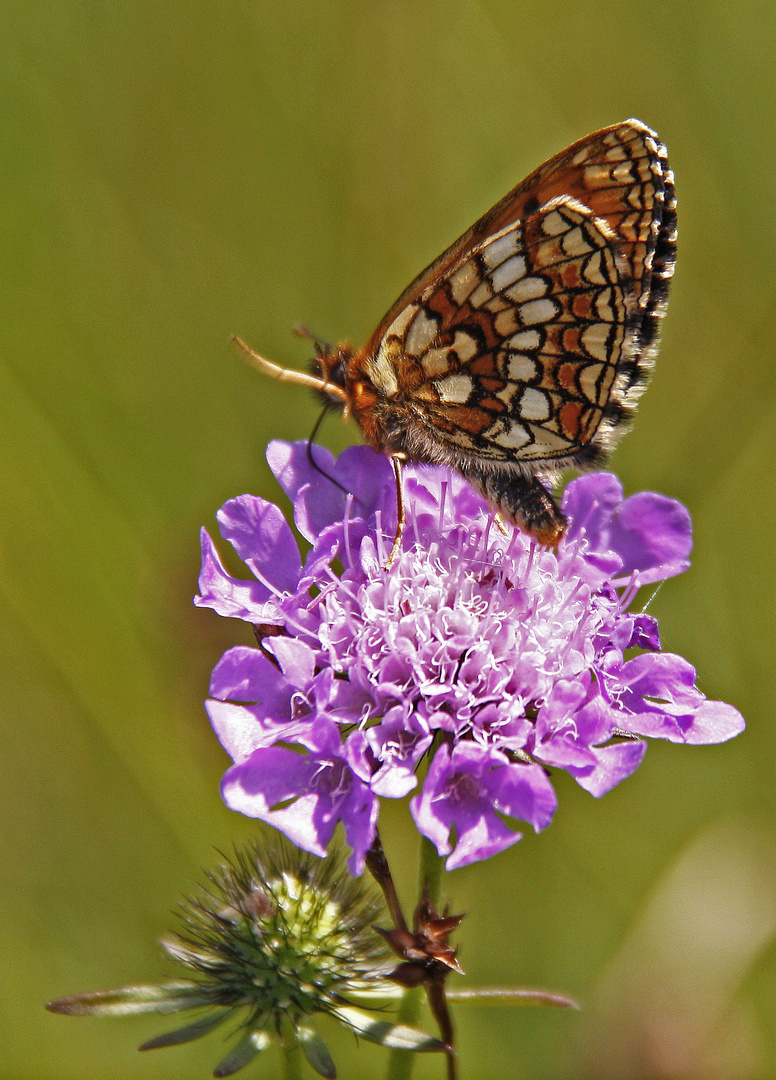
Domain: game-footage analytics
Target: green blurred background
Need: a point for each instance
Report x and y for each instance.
(174, 172)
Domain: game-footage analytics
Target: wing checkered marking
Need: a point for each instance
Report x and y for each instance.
(621, 175)
(528, 332)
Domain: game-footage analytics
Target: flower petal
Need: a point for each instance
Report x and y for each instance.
(262, 538)
(612, 764)
(271, 777)
(651, 531)
(715, 722)
(368, 476)
(241, 729)
(589, 502)
(292, 465)
(296, 659)
(464, 788)
(232, 597)
(245, 674)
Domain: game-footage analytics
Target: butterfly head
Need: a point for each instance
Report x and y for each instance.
(344, 381)
(330, 367)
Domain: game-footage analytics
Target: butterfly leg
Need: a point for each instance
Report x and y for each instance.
(523, 500)
(397, 460)
(500, 524)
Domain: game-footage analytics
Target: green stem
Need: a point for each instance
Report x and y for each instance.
(430, 871)
(292, 1056)
(401, 1062)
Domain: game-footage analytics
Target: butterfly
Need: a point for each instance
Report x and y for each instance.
(524, 347)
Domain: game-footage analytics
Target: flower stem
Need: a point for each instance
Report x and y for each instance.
(430, 885)
(377, 864)
(292, 1056)
(430, 871)
(400, 1063)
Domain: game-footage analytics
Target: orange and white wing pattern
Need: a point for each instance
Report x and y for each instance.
(515, 355)
(535, 337)
(621, 174)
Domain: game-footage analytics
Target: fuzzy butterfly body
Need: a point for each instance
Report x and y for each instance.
(524, 347)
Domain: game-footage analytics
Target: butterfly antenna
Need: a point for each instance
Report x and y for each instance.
(321, 345)
(275, 371)
(310, 457)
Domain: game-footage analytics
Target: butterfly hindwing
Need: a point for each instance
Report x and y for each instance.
(523, 348)
(515, 354)
(621, 174)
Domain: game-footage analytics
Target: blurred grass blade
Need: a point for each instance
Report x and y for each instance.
(500, 995)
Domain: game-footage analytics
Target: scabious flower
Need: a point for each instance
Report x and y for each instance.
(478, 651)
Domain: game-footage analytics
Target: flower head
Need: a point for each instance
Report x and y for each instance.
(478, 650)
(274, 938)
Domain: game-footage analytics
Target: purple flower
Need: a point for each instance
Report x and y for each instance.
(464, 788)
(479, 652)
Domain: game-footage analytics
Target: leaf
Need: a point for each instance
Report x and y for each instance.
(394, 1036)
(246, 1050)
(317, 1053)
(188, 1033)
(501, 995)
(131, 1000)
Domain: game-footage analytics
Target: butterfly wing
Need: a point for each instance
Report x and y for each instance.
(525, 351)
(621, 174)
(529, 340)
